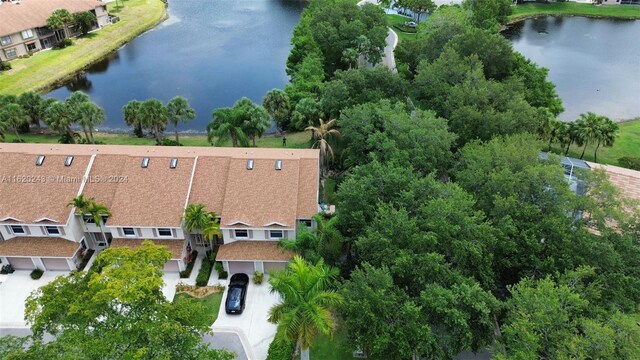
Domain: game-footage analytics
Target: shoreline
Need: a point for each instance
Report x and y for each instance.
(591, 16)
(56, 67)
(538, 10)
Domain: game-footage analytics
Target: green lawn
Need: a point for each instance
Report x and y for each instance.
(627, 144)
(523, 11)
(41, 71)
(211, 303)
(299, 140)
(335, 348)
(396, 22)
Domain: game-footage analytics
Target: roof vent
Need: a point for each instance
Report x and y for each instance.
(278, 164)
(250, 164)
(145, 162)
(40, 160)
(173, 163)
(68, 160)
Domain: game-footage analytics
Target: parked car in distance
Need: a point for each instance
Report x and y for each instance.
(237, 294)
(410, 24)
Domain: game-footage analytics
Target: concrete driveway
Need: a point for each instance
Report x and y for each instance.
(255, 332)
(14, 290)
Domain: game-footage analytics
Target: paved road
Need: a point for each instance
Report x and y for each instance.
(388, 59)
(224, 340)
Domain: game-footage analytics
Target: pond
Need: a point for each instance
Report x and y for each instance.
(212, 52)
(595, 63)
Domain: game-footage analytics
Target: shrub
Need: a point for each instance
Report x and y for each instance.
(170, 142)
(205, 272)
(258, 277)
(219, 267)
(630, 162)
(36, 274)
(281, 348)
(5, 65)
(85, 259)
(7, 269)
(187, 272)
(223, 275)
(63, 44)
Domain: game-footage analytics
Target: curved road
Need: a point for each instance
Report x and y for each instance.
(392, 41)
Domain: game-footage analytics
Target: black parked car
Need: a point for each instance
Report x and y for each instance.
(237, 294)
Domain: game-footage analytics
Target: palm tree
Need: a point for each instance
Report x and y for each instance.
(131, 116)
(14, 116)
(198, 220)
(607, 134)
(558, 133)
(179, 110)
(588, 129)
(32, 102)
(59, 20)
(321, 134)
(89, 114)
(59, 118)
(571, 135)
(226, 124)
(254, 118)
(89, 207)
(153, 115)
(276, 103)
(306, 302)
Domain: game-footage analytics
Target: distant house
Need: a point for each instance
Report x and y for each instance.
(23, 27)
(259, 195)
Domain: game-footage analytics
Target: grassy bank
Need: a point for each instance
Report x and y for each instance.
(396, 22)
(523, 11)
(298, 140)
(41, 71)
(627, 144)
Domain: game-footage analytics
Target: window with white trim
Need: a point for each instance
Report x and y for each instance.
(276, 234)
(163, 232)
(5, 40)
(241, 233)
(128, 232)
(27, 34)
(17, 229)
(52, 230)
(306, 222)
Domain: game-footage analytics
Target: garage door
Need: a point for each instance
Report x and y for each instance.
(21, 263)
(55, 263)
(274, 266)
(241, 267)
(171, 266)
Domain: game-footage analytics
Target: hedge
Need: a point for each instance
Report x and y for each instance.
(187, 272)
(281, 350)
(630, 162)
(205, 271)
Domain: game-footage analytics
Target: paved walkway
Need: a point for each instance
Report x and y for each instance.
(388, 58)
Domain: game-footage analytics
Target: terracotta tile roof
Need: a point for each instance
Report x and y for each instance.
(38, 246)
(154, 196)
(243, 250)
(626, 180)
(174, 246)
(29, 193)
(30, 14)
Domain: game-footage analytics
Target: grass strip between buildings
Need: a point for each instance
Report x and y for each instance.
(45, 69)
(211, 303)
(529, 10)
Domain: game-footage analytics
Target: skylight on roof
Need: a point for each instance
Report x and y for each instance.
(173, 163)
(250, 164)
(68, 160)
(40, 160)
(278, 164)
(145, 163)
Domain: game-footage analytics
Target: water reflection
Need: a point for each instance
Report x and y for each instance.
(79, 83)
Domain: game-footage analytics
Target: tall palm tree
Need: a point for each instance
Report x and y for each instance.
(31, 102)
(198, 220)
(131, 116)
(80, 203)
(607, 133)
(14, 116)
(321, 133)
(179, 111)
(306, 302)
(90, 207)
(276, 103)
(571, 135)
(226, 124)
(556, 129)
(588, 130)
(153, 115)
(89, 115)
(59, 118)
(253, 117)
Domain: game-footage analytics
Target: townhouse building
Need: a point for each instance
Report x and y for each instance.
(23, 28)
(259, 195)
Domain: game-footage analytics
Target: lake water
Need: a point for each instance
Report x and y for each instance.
(595, 63)
(212, 52)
